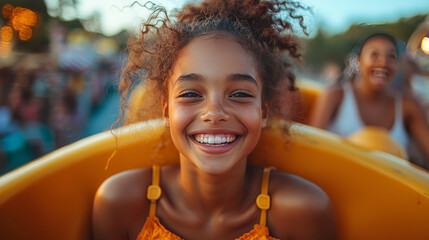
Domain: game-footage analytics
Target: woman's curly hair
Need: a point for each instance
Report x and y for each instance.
(262, 27)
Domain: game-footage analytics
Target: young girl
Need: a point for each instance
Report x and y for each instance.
(346, 109)
(218, 73)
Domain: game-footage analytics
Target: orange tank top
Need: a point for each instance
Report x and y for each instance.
(153, 229)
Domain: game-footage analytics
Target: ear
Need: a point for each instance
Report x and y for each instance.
(165, 115)
(265, 110)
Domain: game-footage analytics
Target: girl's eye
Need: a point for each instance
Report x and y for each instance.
(241, 94)
(393, 56)
(189, 95)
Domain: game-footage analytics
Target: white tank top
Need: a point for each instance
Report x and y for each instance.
(348, 121)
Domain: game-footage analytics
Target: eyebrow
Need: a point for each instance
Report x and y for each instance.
(192, 76)
(240, 76)
(232, 77)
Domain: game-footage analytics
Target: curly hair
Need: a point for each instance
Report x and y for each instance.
(264, 28)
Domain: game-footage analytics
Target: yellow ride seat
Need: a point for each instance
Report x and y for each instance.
(376, 138)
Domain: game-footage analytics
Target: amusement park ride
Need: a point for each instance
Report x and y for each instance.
(376, 195)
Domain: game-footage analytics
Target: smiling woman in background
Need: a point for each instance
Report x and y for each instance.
(346, 109)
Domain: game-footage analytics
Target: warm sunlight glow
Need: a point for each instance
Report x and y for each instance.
(22, 20)
(425, 45)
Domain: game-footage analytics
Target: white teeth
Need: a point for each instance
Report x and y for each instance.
(379, 73)
(220, 139)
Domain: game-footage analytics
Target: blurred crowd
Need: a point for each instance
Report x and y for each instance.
(46, 98)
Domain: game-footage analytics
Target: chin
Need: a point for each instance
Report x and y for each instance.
(380, 85)
(214, 167)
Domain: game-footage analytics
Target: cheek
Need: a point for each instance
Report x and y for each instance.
(180, 117)
(393, 65)
(365, 67)
(251, 117)
(365, 62)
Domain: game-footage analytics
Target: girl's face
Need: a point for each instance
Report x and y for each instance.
(377, 62)
(214, 107)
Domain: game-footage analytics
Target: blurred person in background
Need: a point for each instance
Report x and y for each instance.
(346, 109)
(5, 114)
(416, 85)
(330, 73)
(29, 104)
(412, 79)
(14, 147)
(416, 63)
(65, 119)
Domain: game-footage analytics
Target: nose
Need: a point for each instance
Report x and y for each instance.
(214, 111)
(382, 60)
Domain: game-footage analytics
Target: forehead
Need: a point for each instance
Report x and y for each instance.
(379, 42)
(215, 55)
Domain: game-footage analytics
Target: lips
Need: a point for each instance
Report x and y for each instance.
(380, 76)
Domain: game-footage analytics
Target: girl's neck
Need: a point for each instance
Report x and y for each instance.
(213, 193)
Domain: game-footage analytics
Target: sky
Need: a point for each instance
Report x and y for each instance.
(333, 16)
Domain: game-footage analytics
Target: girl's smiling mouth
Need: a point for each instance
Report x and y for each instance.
(380, 76)
(215, 139)
(215, 143)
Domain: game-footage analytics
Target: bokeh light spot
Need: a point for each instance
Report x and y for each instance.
(16, 23)
(425, 45)
(6, 34)
(25, 33)
(7, 11)
(28, 17)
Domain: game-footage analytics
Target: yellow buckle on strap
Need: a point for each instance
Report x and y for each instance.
(263, 201)
(153, 192)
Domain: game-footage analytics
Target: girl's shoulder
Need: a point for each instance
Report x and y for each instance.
(120, 204)
(335, 92)
(411, 103)
(125, 190)
(326, 106)
(413, 110)
(299, 209)
(292, 191)
(123, 185)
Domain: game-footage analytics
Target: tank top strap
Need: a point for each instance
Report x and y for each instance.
(349, 97)
(263, 200)
(398, 131)
(154, 190)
